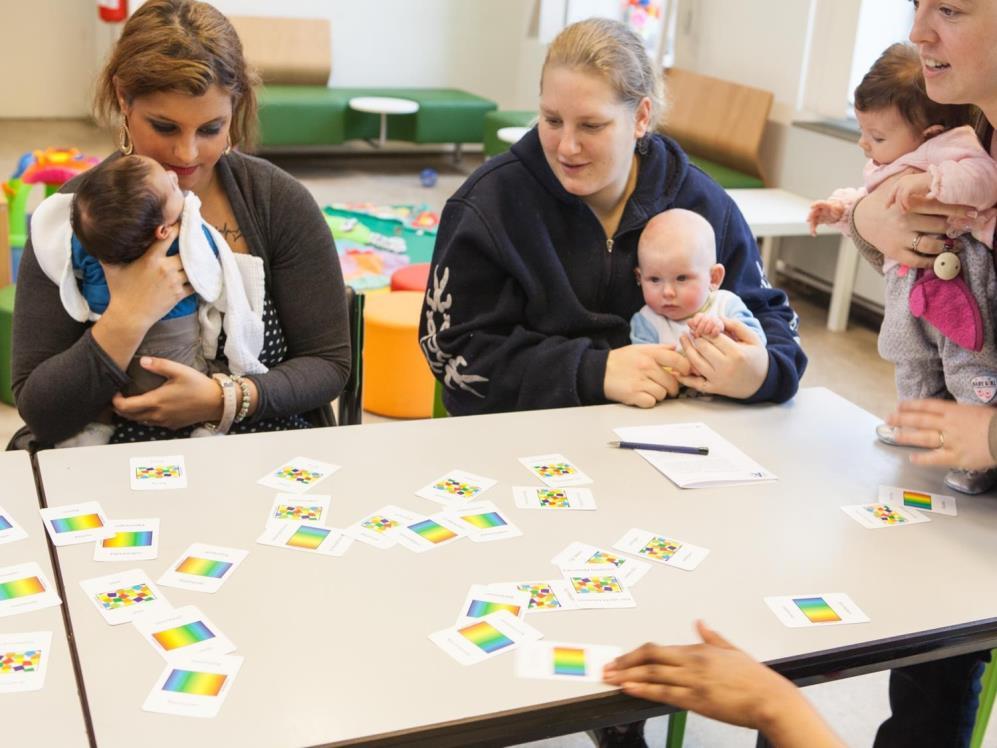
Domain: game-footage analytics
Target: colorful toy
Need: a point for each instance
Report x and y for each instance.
(643, 16)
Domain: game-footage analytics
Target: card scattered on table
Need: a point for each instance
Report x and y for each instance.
(122, 597)
(193, 686)
(24, 660)
(487, 637)
(306, 537)
(420, 534)
(876, 516)
(661, 549)
(544, 497)
(456, 487)
(563, 661)
(482, 601)
(203, 568)
(158, 473)
(9, 529)
(483, 521)
(824, 609)
(312, 509)
(76, 523)
(380, 529)
(544, 597)
(726, 465)
(592, 589)
(182, 632)
(918, 500)
(24, 588)
(555, 470)
(584, 556)
(131, 540)
(298, 475)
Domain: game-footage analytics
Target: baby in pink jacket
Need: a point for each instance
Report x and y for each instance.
(938, 325)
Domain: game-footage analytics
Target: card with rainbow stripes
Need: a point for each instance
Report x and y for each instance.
(132, 540)
(564, 661)
(24, 660)
(307, 537)
(818, 609)
(427, 533)
(920, 500)
(482, 601)
(203, 568)
(879, 515)
(661, 549)
(24, 588)
(483, 522)
(584, 556)
(158, 473)
(491, 635)
(76, 523)
(9, 529)
(298, 475)
(122, 596)
(194, 686)
(455, 488)
(312, 509)
(184, 631)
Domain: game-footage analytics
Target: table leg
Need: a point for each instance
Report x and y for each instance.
(844, 284)
(770, 256)
(384, 130)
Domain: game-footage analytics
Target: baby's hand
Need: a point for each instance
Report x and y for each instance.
(906, 187)
(704, 326)
(824, 211)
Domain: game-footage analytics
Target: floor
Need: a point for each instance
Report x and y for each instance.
(845, 362)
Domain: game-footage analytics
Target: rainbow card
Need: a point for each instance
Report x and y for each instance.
(879, 515)
(824, 609)
(131, 540)
(921, 501)
(158, 473)
(122, 596)
(486, 637)
(24, 588)
(9, 529)
(203, 568)
(183, 631)
(427, 533)
(482, 601)
(455, 488)
(76, 523)
(193, 686)
(564, 661)
(483, 522)
(311, 538)
(298, 475)
(24, 660)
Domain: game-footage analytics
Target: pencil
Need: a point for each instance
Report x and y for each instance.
(662, 447)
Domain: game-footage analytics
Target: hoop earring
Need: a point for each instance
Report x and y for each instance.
(125, 143)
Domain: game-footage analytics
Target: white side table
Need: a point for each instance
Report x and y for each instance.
(383, 105)
(512, 134)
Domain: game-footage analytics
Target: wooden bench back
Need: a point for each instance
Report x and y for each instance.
(716, 119)
(287, 51)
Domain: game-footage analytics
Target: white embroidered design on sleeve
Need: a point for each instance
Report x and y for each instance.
(441, 362)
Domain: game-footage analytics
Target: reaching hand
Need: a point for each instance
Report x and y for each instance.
(824, 211)
(954, 435)
(643, 375)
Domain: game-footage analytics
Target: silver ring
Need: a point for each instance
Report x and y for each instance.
(915, 241)
(941, 440)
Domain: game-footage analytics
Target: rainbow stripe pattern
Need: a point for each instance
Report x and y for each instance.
(379, 524)
(125, 597)
(554, 469)
(157, 472)
(596, 585)
(816, 609)
(298, 475)
(600, 557)
(485, 637)
(298, 513)
(12, 663)
(194, 683)
(569, 661)
(78, 523)
(309, 538)
(886, 514)
(4, 523)
(481, 608)
(21, 588)
(183, 636)
(456, 488)
(128, 539)
(203, 567)
(485, 521)
(433, 532)
(660, 549)
(553, 498)
(542, 597)
(917, 500)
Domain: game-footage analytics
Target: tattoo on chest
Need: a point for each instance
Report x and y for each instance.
(231, 235)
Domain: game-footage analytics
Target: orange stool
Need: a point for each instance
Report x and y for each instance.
(411, 277)
(396, 378)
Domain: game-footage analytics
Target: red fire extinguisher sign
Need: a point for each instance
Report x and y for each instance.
(112, 11)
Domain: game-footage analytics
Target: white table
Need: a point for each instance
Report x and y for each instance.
(52, 716)
(383, 105)
(512, 134)
(341, 652)
(773, 214)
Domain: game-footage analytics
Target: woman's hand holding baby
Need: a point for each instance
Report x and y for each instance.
(185, 398)
(734, 365)
(643, 375)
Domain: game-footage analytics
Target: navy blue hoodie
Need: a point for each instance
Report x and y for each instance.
(527, 297)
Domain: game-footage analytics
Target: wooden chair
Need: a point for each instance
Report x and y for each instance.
(350, 411)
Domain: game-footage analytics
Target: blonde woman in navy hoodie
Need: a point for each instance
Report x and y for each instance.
(532, 282)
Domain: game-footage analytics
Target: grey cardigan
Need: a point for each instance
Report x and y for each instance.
(62, 379)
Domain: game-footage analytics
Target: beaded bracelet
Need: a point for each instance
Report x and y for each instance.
(244, 402)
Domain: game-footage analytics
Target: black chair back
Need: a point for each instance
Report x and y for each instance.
(351, 398)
